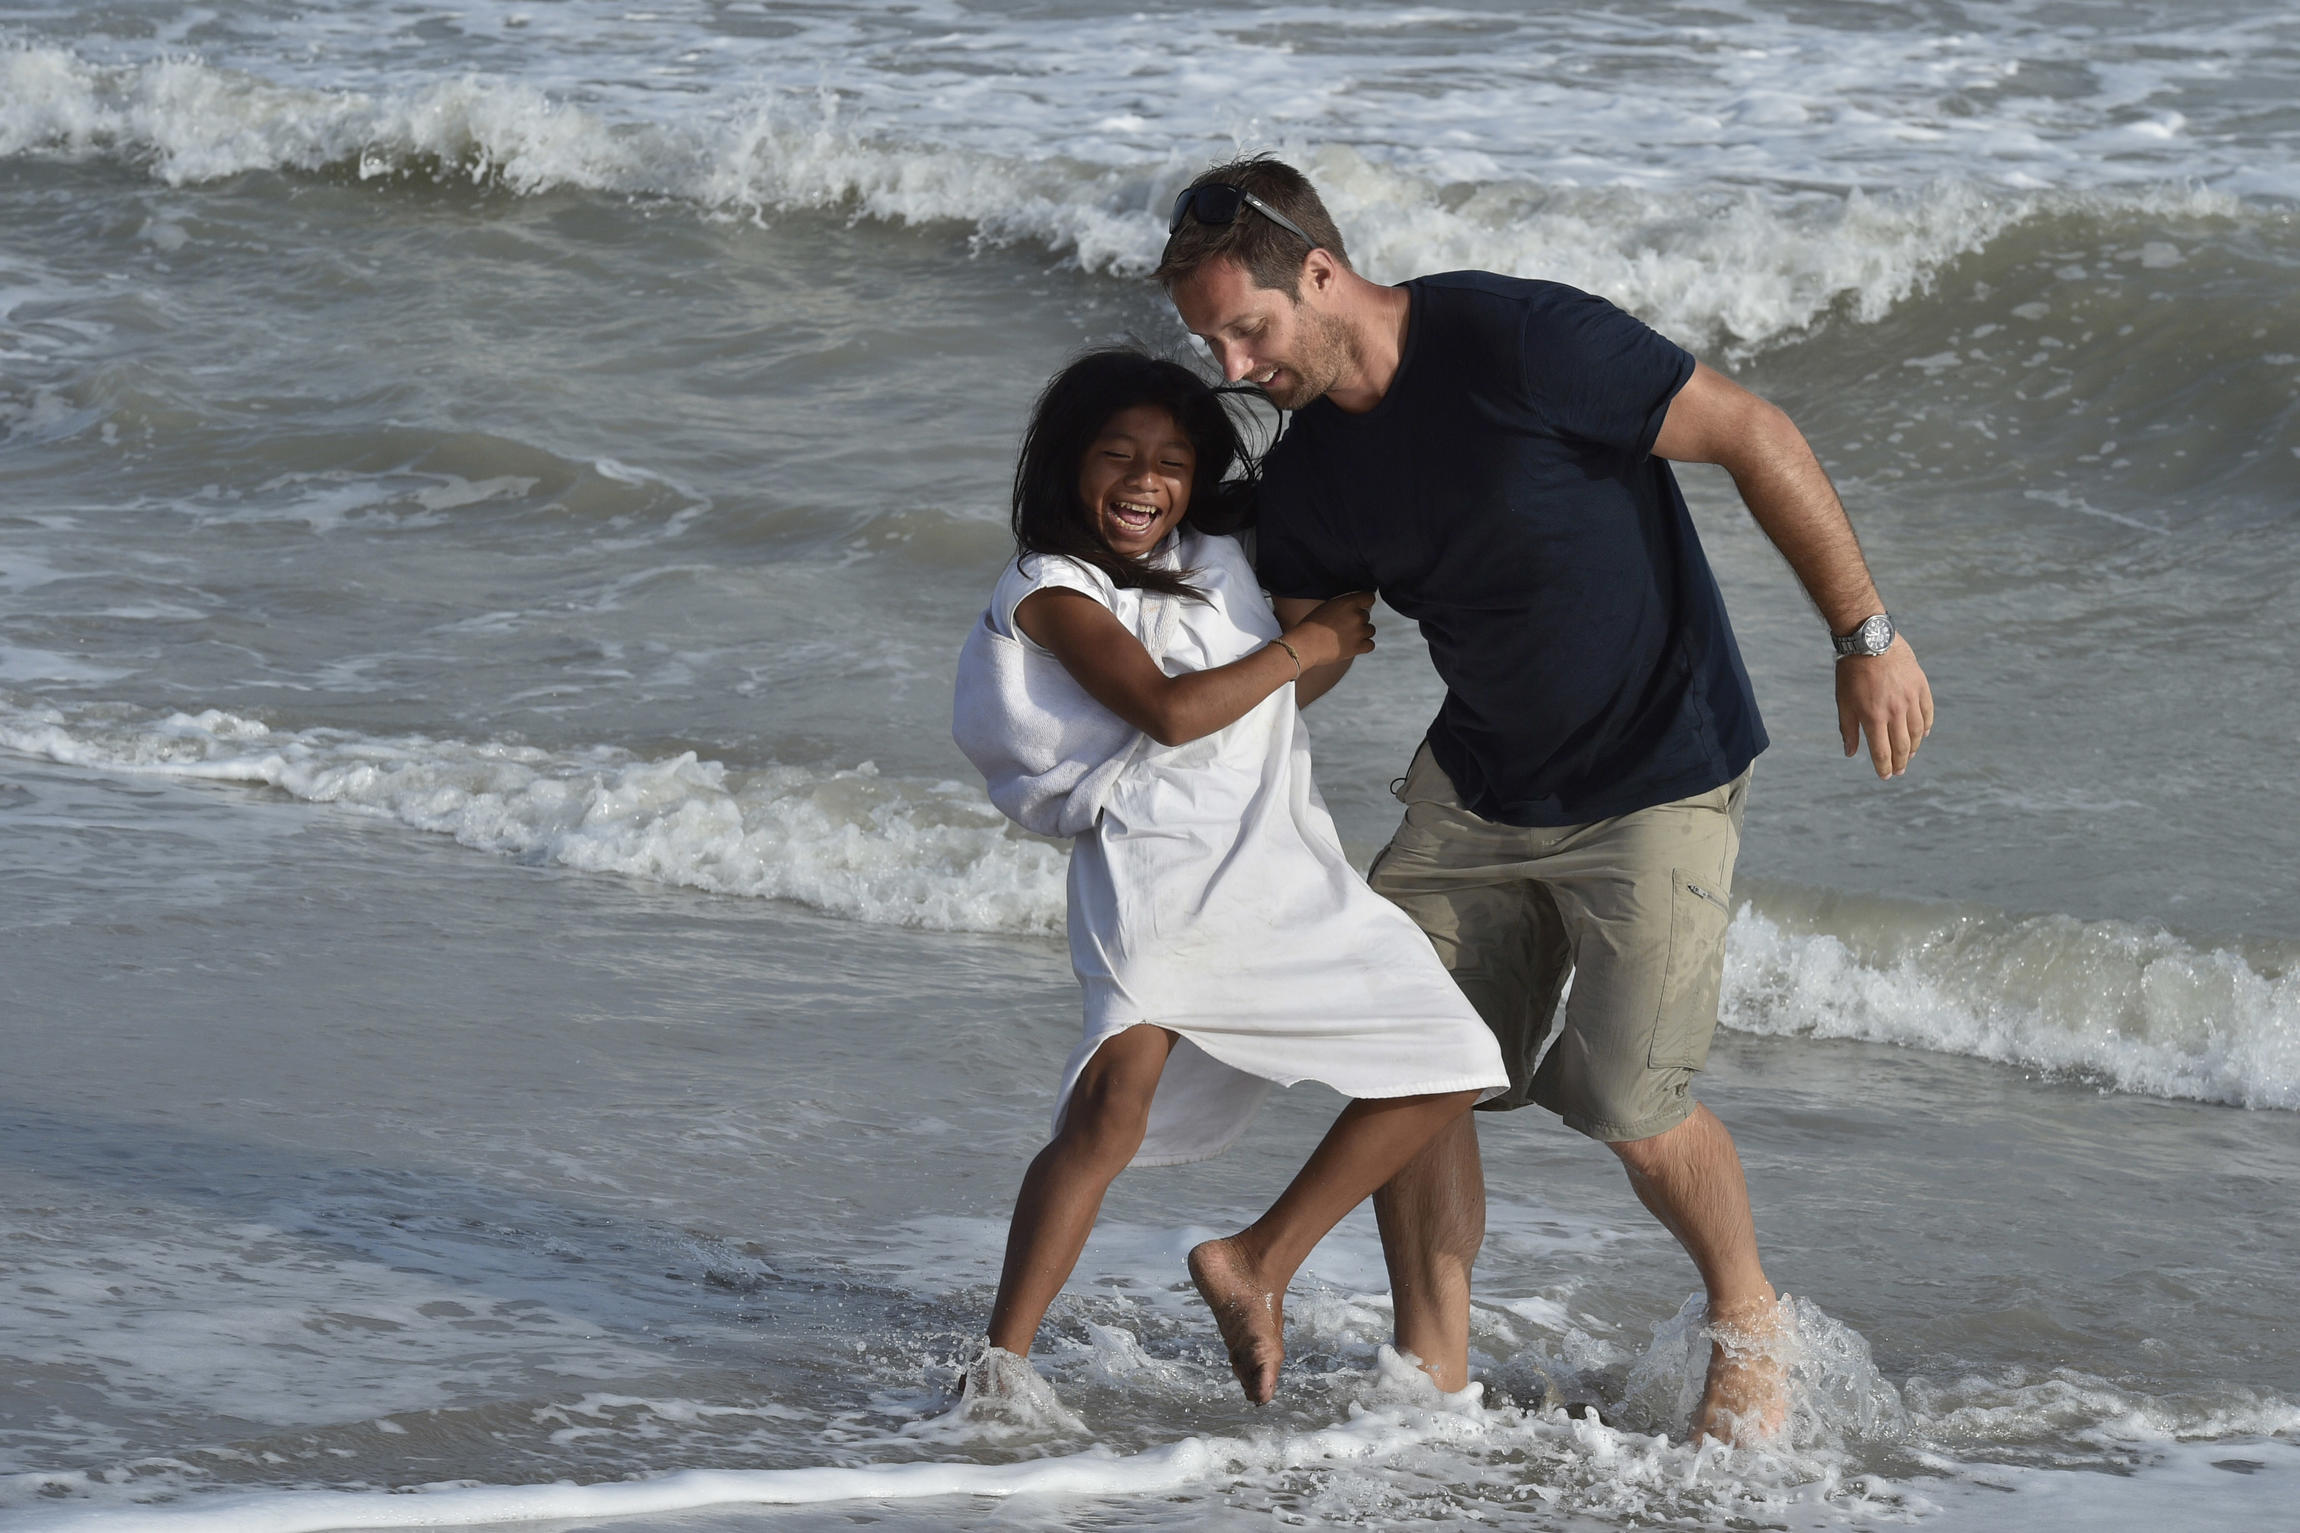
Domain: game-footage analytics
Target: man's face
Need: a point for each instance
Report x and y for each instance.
(1290, 349)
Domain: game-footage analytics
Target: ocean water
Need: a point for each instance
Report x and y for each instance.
(514, 1009)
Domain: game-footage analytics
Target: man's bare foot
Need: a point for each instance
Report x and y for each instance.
(1745, 1399)
(1251, 1315)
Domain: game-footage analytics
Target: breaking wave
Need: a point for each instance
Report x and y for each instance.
(2134, 1007)
(847, 842)
(1718, 267)
(2138, 1009)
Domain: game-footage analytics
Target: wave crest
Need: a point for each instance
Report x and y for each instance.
(2137, 1008)
(849, 843)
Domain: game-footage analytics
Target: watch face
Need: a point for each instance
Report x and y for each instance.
(1876, 635)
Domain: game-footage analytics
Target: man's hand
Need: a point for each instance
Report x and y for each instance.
(1887, 696)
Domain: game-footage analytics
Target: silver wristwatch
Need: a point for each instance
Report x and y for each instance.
(1873, 637)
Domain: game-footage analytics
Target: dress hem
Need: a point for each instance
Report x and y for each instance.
(1492, 1085)
(1190, 1157)
(1488, 1087)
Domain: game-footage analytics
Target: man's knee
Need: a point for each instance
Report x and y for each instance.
(1695, 1140)
(1654, 1152)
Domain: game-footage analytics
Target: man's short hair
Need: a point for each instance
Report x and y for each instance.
(1270, 253)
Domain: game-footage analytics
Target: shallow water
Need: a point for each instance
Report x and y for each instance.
(509, 981)
(617, 1180)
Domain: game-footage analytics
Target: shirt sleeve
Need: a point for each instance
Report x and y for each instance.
(1297, 553)
(1599, 374)
(1040, 572)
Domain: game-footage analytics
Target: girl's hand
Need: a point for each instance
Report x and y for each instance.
(1340, 629)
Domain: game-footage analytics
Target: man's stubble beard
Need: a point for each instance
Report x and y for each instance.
(1330, 348)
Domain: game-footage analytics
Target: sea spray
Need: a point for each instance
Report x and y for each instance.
(1004, 1399)
(1834, 1392)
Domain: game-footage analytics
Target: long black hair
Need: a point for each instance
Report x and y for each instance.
(1070, 414)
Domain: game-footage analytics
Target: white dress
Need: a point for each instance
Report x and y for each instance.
(1210, 895)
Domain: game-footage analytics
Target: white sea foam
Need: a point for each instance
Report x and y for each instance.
(1715, 94)
(1395, 1437)
(1727, 259)
(1396, 1415)
(849, 842)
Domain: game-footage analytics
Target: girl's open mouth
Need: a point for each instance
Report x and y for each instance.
(1134, 516)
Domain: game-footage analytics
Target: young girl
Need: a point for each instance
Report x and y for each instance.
(1129, 687)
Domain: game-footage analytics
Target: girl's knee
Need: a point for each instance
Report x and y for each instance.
(1109, 1110)
(1136, 1055)
(1102, 1132)
(1443, 1103)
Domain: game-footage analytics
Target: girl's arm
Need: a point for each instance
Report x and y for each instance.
(1117, 672)
(1318, 680)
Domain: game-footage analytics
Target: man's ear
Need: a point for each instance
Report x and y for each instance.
(1321, 273)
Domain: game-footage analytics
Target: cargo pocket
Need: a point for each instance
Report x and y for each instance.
(1691, 975)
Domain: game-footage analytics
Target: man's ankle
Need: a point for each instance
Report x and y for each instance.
(1758, 1301)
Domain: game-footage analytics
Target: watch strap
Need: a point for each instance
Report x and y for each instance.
(1873, 635)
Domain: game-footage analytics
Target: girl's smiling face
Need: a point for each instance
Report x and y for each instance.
(1135, 479)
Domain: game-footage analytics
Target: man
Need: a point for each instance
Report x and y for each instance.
(1492, 455)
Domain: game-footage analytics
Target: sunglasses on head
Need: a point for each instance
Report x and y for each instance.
(1215, 203)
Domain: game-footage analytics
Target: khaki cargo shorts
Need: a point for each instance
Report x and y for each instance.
(1633, 908)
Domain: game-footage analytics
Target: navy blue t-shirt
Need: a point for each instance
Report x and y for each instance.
(1503, 494)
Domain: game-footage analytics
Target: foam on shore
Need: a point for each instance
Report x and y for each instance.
(1394, 1419)
(1396, 1427)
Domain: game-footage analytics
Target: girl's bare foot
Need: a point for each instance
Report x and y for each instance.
(997, 1375)
(1745, 1399)
(1251, 1314)
(1004, 1391)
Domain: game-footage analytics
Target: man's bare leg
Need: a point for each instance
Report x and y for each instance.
(1062, 1192)
(1243, 1278)
(1432, 1218)
(1690, 1178)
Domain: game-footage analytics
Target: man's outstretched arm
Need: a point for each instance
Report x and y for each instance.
(1715, 420)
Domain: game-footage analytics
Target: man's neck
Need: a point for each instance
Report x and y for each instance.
(1375, 322)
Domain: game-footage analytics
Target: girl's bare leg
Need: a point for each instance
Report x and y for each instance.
(1062, 1191)
(1244, 1277)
